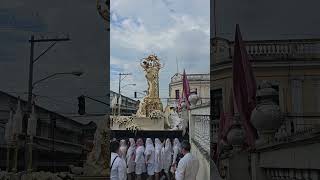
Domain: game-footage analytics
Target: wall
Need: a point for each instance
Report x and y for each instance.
(144, 124)
(204, 169)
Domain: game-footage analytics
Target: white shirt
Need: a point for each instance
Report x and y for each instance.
(130, 159)
(188, 168)
(140, 155)
(150, 152)
(119, 168)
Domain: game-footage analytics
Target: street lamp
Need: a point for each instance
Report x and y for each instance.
(128, 85)
(30, 144)
(75, 73)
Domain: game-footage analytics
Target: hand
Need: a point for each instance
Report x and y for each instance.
(174, 167)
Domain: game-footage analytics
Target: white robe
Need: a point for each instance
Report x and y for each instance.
(123, 149)
(130, 156)
(167, 156)
(140, 160)
(149, 151)
(157, 156)
(188, 168)
(118, 170)
(176, 150)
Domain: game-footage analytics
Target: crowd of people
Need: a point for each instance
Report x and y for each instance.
(157, 160)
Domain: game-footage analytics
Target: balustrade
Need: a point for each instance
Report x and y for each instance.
(284, 49)
(295, 127)
(281, 48)
(201, 133)
(292, 174)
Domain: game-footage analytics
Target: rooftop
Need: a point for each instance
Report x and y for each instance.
(268, 50)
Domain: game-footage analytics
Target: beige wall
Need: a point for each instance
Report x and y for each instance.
(204, 169)
(310, 86)
(203, 89)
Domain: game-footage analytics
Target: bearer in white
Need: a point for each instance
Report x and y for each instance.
(157, 158)
(149, 155)
(167, 157)
(140, 160)
(123, 148)
(130, 158)
(176, 151)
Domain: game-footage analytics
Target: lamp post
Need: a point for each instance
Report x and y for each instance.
(75, 73)
(30, 132)
(119, 90)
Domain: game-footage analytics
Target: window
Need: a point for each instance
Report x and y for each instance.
(177, 94)
(216, 103)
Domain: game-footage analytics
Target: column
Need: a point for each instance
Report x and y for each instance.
(297, 102)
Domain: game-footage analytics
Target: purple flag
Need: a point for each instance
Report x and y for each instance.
(244, 87)
(186, 89)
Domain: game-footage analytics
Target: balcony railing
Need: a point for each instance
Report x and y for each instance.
(201, 134)
(275, 49)
(285, 48)
(289, 174)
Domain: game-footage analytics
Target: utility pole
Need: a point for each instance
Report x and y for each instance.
(119, 90)
(33, 60)
(30, 73)
(32, 41)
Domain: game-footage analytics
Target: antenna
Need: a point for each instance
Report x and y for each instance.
(177, 65)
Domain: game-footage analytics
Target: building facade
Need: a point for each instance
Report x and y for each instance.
(291, 69)
(199, 83)
(128, 106)
(58, 142)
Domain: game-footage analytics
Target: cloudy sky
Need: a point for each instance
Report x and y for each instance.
(87, 51)
(271, 19)
(175, 30)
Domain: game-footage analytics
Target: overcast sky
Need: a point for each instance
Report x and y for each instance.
(87, 51)
(172, 29)
(175, 30)
(268, 19)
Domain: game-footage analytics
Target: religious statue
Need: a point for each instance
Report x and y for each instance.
(98, 159)
(151, 102)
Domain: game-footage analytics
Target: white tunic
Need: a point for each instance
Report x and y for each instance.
(130, 156)
(123, 149)
(157, 156)
(150, 152)
(176, 150)
(140, 160)
(188, 168)
(118, 170)
(167, 156)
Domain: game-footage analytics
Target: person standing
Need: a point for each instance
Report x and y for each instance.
(140, 159)
(188, 166)
(123, 148)
(130, 159)
(176, 151)
(117, 164)
(167, 157)
(149, 154)
(157, 158)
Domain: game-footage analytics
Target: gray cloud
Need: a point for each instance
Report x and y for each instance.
(86, 51)
(271, 19)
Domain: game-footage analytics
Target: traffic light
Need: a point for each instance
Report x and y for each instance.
(135, 94)
(81, 105)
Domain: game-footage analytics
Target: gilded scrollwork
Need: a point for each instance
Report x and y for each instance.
(151, 102)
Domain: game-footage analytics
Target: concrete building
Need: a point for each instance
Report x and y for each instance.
(128, 106)
(198, 116)
(59, 140)
(289, 71)
(199, 83)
